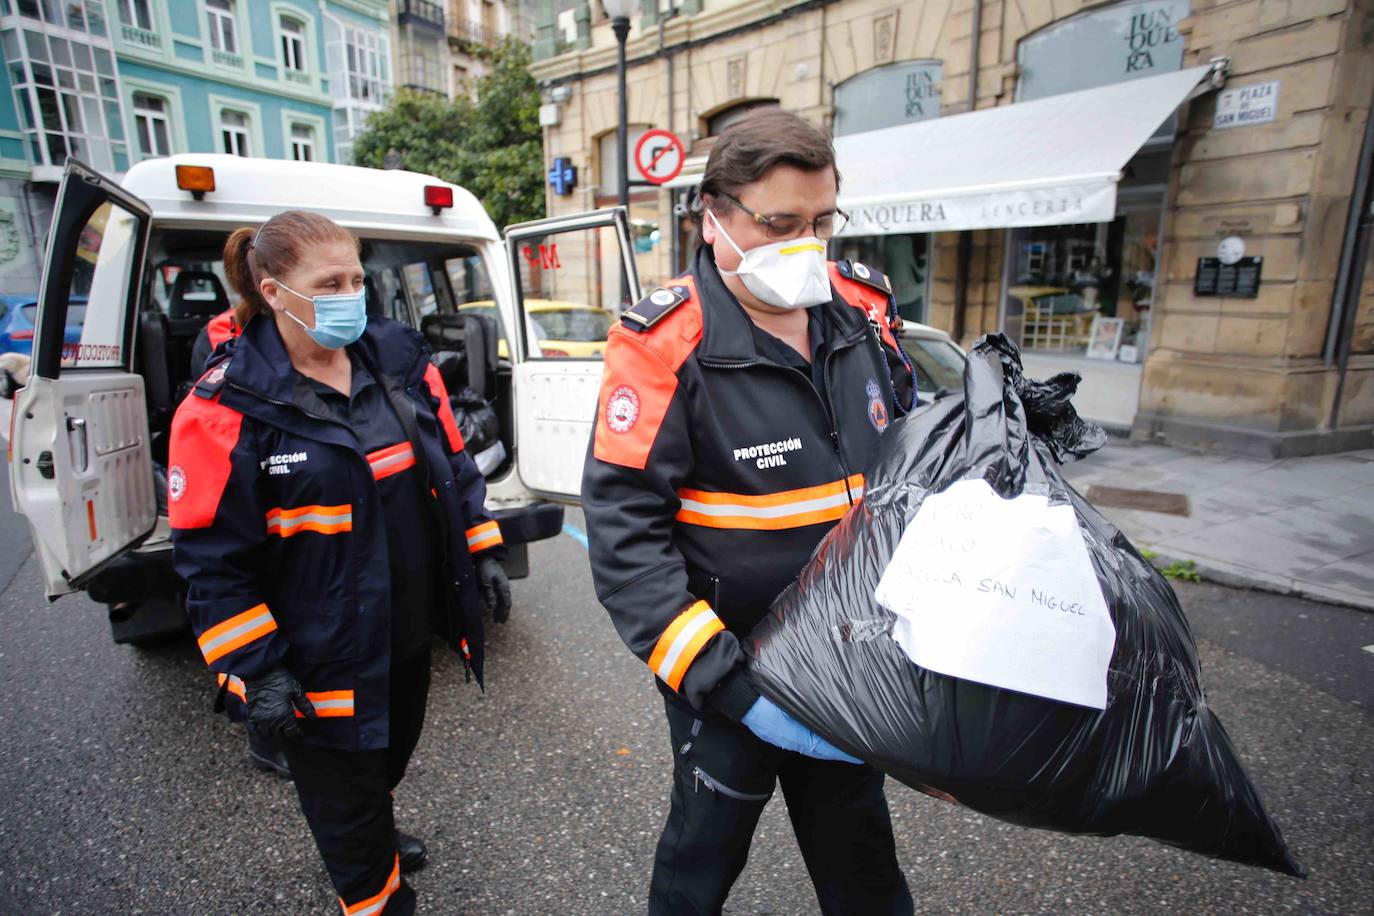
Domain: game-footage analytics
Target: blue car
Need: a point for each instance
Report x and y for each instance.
(17, 315)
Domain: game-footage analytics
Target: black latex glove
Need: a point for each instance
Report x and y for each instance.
(272, 703)
(495, 587)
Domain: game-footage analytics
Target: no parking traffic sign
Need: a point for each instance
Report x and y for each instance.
(658, 156)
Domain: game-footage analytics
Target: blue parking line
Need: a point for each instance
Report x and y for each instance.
(575, 533)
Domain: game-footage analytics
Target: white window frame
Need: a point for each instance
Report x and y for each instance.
(129, 10)
(171, 95)
(319, 128)
(153, 117)
(292, 31)
(371, 55)
(220, 23)
(304, 144)
(243, 133)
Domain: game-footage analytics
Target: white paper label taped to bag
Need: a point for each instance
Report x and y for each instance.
(1001, 591)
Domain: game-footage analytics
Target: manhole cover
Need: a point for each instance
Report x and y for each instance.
(1145, 500)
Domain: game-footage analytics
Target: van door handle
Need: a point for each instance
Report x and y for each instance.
(77, 425)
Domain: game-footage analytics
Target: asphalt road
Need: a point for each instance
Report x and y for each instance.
(120, 791)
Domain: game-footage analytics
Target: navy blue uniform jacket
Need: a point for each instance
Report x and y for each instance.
(279, 533)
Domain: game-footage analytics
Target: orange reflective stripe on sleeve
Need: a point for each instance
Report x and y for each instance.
(480, 537)
(320, 519)
(330, 704)
(376, 903)
(236, 686)
(680, 643)
(236, 632)
(391, 460)
(771, 511)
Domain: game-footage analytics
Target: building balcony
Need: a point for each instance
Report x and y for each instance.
(226, 59)
(141, 37)
(424, 13)
(463, 32)
(296, 76)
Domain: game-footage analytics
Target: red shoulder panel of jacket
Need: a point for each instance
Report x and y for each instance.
(866, 299)
(446, 418)
(640, 380)
(222, 328)
(204, 433)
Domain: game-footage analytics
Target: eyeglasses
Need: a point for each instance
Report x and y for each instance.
(790, 226)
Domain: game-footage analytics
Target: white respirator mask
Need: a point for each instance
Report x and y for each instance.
(786, 275)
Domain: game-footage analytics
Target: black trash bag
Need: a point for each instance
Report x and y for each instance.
(1156, 762)
(477, 420)
(453, 368)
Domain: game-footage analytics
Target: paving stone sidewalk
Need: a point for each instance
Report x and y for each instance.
(1300, 526)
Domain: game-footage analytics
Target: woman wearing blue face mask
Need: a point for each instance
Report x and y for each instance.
(328, 521)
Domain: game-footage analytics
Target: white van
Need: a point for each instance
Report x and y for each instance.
(89, 431)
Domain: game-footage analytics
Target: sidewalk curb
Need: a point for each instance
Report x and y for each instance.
(1234, 576)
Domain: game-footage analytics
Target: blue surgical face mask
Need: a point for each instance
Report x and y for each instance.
(340, 319)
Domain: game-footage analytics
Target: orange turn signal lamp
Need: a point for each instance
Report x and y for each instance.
(197, 179)
(438, 197)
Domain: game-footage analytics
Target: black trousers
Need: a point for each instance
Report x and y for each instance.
(722, 778)
(346, 798)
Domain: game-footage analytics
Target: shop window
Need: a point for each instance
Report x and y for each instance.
(233, 132)
(1063, 281)
(292, 44)
(152, 125)
(302, 143)
(1063, 278)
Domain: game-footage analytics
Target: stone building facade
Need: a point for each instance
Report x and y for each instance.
(1287, 370)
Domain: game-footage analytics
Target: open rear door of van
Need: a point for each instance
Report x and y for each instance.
(573, 276)
(80, 465)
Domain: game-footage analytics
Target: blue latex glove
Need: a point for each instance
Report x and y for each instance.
(770, 723)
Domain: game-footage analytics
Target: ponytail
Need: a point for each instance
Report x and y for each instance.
(239, 270)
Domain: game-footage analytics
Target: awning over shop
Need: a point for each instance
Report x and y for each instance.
(1048, 162)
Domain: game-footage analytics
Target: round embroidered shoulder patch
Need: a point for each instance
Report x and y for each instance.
(662, 297)
(176, 483)
(862, 270)
(622, 409)
(877, 410)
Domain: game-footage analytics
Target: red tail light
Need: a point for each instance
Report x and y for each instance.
(438, 197)
(21, 335)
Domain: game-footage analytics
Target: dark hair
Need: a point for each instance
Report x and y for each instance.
(271, 251)
(753, 145)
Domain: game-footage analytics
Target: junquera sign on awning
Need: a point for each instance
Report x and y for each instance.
(1048, 162)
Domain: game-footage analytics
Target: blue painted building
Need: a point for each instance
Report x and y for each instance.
(113, 82)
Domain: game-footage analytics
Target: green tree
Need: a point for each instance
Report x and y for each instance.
(492, 147)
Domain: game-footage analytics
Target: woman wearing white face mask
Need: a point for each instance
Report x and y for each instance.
(327, 522)
(739, 407)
